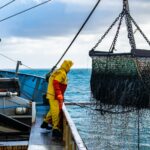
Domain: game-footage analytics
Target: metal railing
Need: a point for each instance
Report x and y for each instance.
(71, 137)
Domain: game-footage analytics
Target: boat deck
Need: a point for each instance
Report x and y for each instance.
(40, 139)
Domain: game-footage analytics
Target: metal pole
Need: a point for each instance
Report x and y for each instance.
(129, 25)
(17, 67)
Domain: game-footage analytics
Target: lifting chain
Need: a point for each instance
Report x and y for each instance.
(129, 25)
(129, 28)
(103, 36)
(129, 20)
(117, 33)
(138, 28)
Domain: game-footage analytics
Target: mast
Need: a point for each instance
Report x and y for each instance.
(129, 25)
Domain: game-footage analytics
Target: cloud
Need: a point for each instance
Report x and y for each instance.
(38, 38)
(31, 1)
(76, 2)
(43, 21)
(63, 17)
(44, 53)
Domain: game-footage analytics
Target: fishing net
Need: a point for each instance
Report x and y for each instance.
(121, 131)
(120, 86)
(121, 79)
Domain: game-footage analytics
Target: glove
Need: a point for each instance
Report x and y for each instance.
(60, 97)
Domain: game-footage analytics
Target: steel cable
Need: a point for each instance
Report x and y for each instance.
(1, 7)
(21, 12)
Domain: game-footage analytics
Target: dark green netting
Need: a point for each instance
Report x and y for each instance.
(120, 85)
(121, 80)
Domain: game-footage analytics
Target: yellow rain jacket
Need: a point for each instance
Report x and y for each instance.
(55, 93)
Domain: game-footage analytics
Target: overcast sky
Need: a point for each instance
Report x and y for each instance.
(39, 37)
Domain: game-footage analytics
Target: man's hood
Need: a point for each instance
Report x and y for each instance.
(66, 65)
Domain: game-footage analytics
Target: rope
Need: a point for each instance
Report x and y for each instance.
(100, 110)
(21, 12)
(8, 58)
(7, 4)
(90, 14)
(16, 61)
(73, 38)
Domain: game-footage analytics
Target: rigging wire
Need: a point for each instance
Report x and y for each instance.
(84, 23)
(21, 12)
(8, 58)
(7, 4)
(80, 105)
(90, 14)
(16, 61)
(16, 15)
(73, 38)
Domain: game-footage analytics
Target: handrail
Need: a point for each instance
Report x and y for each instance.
(71, 136)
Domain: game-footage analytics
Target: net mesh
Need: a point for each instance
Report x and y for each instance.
(121, 80)
(120, 85)
(128, 131)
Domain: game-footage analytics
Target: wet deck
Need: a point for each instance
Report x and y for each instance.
(40, 139)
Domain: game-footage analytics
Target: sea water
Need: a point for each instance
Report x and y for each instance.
(78, 89)
(101, 131)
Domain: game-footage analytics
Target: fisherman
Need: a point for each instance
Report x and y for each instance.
(55, 94)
